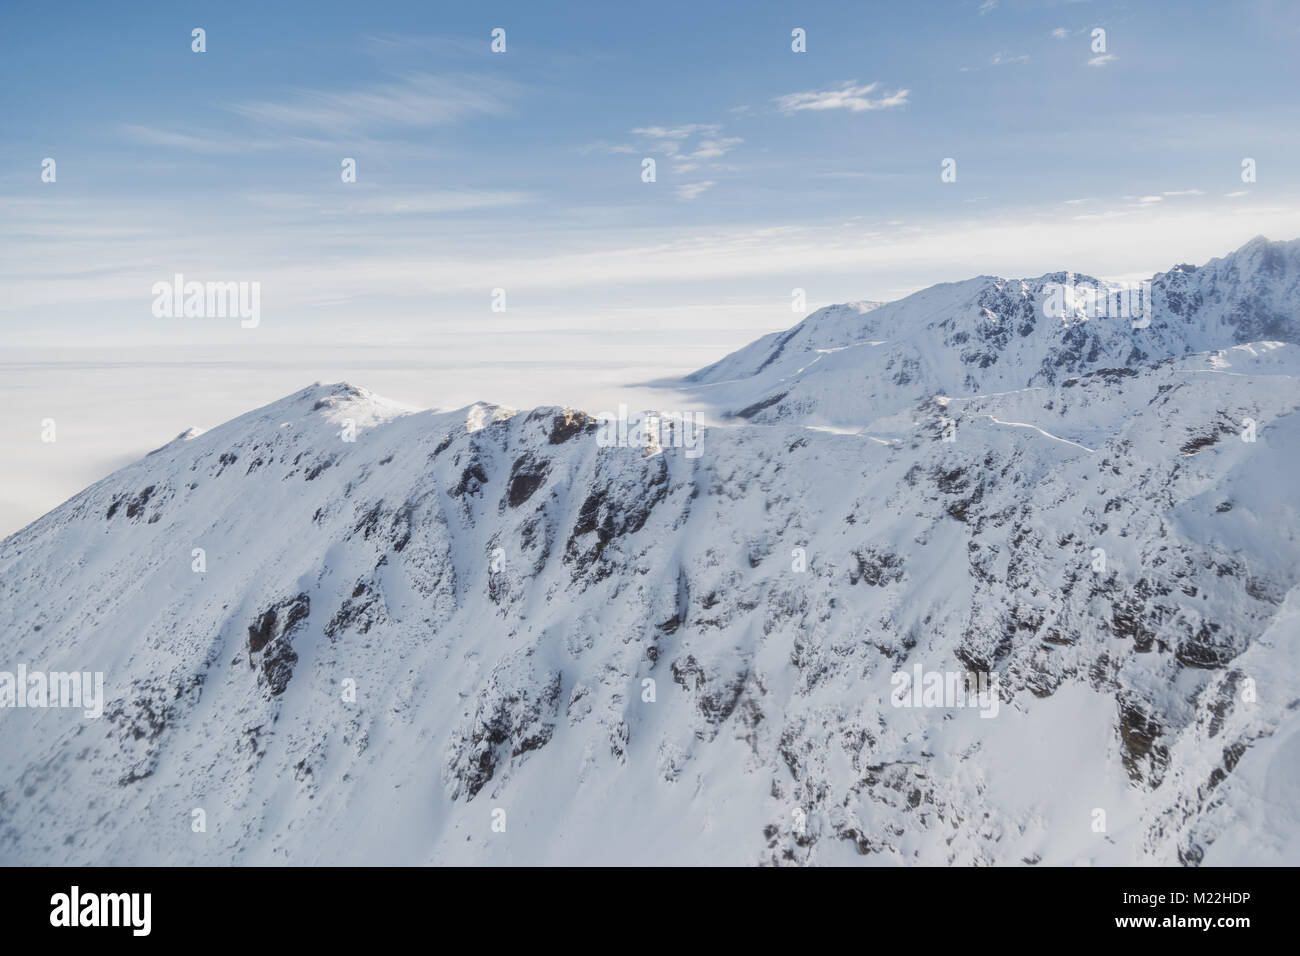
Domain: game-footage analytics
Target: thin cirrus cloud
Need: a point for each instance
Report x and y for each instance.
(416, 101)
(706, 151)
(351, 263)
(381, 260)
(196, 141)
(222, 142)
(689, 146)
(849, 96)
(394, 202)
(1148, 200)
(670, 140)
(689, 191)
(714, 148)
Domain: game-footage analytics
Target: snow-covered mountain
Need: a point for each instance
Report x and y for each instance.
(487, 636)
(849, 364)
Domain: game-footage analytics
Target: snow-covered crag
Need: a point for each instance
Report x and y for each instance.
(487, 637)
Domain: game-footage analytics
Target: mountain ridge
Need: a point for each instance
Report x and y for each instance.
(991, 334)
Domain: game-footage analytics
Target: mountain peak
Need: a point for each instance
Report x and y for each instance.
(194, 431)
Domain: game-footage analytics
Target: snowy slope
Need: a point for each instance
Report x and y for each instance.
(843, 366)
(499, 586)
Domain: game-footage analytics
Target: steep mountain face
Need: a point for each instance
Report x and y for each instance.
(844, 366)
(489, 637)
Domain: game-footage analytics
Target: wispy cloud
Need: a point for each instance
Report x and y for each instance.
(676, 142)
(691, 191)
(715, 148)
(669, 139)
(1060, 33)
(386, 45)
(988, 5)
(848, 97)
(1102, 60)
(607, 147)
(1000, 59)
(226, 142)
(417, 101)
(1108, 214)
(706, 151)
(351, 260)
(196, 141)
(393, 202)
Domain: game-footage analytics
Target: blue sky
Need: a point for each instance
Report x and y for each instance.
(522, 170)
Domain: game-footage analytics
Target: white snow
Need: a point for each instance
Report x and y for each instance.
(498, 588)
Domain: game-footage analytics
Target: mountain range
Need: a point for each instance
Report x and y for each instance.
(337, 629)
